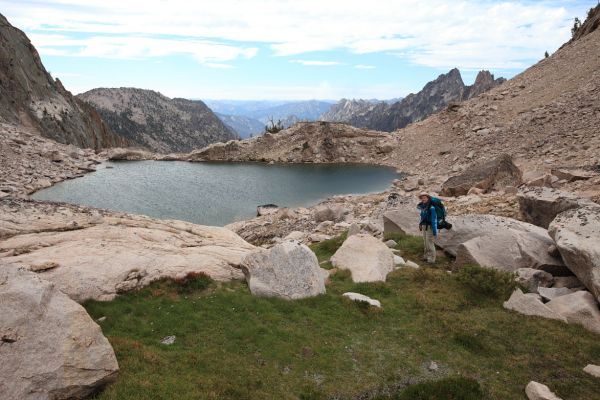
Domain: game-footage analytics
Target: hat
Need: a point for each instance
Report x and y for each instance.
(424, 194)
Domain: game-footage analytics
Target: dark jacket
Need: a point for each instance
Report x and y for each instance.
(428, 217)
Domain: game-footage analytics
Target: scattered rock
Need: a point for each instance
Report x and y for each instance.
(572, 175)
(331, 212)
(354, 229)
(404, 219)
(296, 235)
(490, 175)
(361, 297)
(577, 236)
(530, 304)
(266, 209)
(288, 270)
(578, 308)
(168, 340)
(391, 243)
(593, 370)
(367, 258)
(549, 293)
(412, 264)
(318, 237)
(534, 279)
(538, 391)
(399, 260)
(50, 348)
(433, 366)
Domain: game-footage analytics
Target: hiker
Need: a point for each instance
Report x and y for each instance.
(428, 226)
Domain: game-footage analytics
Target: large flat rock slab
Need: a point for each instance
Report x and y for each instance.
(50, 347)
(499, 242)
(95, 254)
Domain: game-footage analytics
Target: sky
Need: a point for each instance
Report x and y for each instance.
(287, 49)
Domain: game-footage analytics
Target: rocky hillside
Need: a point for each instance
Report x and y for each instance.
(347, 110)
(544, 117)
(435, 96)
(243, 126)
(150, 119)
(29, 96)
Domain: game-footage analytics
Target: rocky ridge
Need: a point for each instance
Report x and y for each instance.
(435, 96)
(156, 122)
(29, 96)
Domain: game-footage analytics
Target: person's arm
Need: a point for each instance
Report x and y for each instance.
(434, 227)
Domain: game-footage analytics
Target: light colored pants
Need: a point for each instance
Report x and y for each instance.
(428, 245)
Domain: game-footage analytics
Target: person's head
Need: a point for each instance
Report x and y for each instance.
(424, 197)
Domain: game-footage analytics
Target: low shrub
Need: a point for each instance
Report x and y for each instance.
(487, 281)
(192, 281)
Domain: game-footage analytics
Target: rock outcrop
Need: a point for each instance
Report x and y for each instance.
(367, 258)
(49, 346)
(288, 270)
(490, 175)
(29, 96)
(152, 120)
(96, 254)
(577, 236)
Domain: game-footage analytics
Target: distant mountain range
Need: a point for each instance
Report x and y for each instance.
(249, 117)
(154, 121)
(434, 97)
(244, 126)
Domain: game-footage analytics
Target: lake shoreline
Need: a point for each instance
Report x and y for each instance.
(319, 183)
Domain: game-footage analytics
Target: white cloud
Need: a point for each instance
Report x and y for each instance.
(436, 33)
(133, 47)
(363, 66)
(316, 63)
(218, 65)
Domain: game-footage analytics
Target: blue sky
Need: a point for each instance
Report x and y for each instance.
(287, 49)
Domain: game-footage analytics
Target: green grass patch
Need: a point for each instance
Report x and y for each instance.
(411, 247)
(232, 345)
(452, 388)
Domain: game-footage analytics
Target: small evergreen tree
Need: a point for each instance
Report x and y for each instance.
(275, 127)
(546, 55)
(576, 26)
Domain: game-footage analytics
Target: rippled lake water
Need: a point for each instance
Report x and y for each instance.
(213, 193)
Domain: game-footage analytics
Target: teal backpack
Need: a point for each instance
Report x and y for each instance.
(440, 211)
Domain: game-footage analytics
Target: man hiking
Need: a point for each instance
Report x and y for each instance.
(428, 226)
